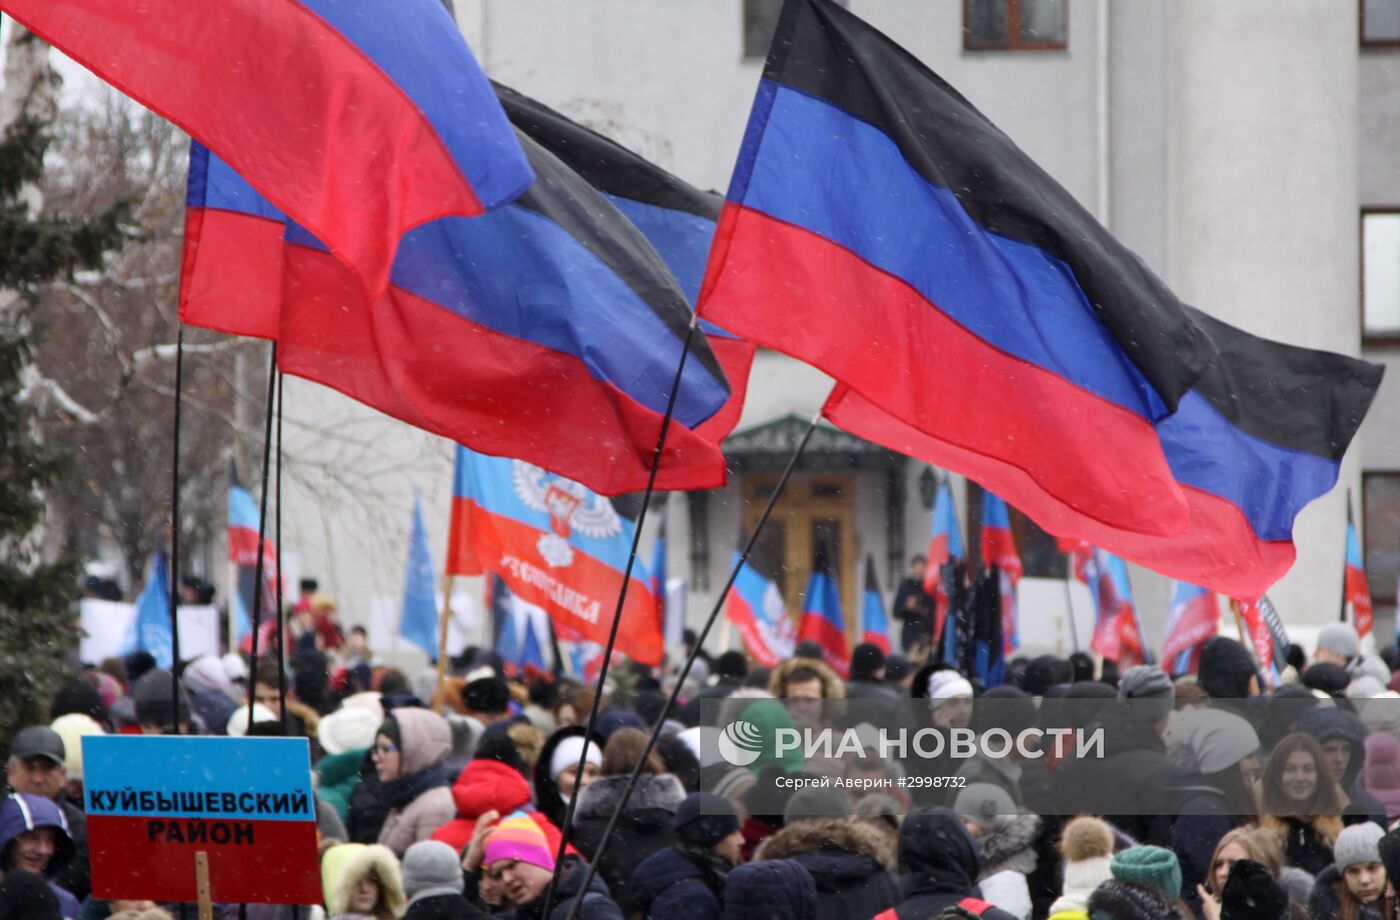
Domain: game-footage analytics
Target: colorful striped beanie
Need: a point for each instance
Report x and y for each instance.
(519, 838)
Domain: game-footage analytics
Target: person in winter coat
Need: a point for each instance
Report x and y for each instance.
(1301, 803)
(492, 781)
(1227, 674)
(867, 681)
(1381, 774)
(851, 862)
(337, 775)
(432, 879)
(1343, 740)
(1353, 887)
(556, 771)
(686, 881)
(775, 889)
(1086, 845)
(939, 867)
(362, 881)
(408, 754)
(514, 853)
(644, 825)
(1005, 845)
(34, 838)
(1217, 752)
(27, 896)
(1131, 785)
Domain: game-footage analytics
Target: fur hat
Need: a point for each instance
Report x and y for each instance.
(343, 866)
(350, 728)
(1251, 893)
(1117, 900)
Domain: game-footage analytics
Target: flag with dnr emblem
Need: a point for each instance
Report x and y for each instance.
(555, 544)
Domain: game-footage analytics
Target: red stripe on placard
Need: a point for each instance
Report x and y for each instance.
(267, 862)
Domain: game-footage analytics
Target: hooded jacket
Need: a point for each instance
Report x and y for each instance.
(851, 863)
(1328, 723)
(774, 889)
(668, 885)
(547, 796)
(343, 866)
(22, 813)
(487, 785)
(939, 863)
(424, 742)
(643, 827)
(336, 776)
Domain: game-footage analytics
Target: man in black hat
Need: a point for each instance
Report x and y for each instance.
(36, 767)
(687, 879)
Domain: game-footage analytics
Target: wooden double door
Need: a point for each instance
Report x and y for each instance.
(815, 508)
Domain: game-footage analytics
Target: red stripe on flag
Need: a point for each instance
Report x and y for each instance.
(830, 638)
(134, 858)
(878, 335)
(500, 544)
(419, 362)
(217, 242)
(1220, 551)
(738, 611)
(286, 100)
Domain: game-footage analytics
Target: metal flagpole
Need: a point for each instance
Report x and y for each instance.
(689, 661)
(262, 523)
(174, 566)
(617, 613)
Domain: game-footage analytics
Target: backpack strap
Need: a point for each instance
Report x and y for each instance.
(886, 914)
(975, 906)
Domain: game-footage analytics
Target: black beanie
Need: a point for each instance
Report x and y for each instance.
(154, 704)
(486, 694)
(26, 896)
(81, 697)
(866, 660)
(732, 664)
(1330, 678)
(1119, 900)
(1251, 893)
(703, 820)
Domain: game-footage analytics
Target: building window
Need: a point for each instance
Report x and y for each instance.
(1380, 22)
(760, 19)
(1380, 276)
(1017, 25)
(1380, 534)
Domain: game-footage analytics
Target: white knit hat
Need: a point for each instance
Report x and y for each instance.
(349, 728)
(1087, 844)
(945, 685)
(71, 728)
(238, 722)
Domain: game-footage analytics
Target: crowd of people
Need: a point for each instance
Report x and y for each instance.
(447, 799)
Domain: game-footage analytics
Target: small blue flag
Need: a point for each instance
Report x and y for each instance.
(418, 619)
(150, 629)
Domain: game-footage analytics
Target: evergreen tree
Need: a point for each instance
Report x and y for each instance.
(38, 623)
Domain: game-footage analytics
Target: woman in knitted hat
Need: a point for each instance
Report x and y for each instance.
(1218, 753)
(1086, 845)
(555, 774)
(514, 854)
(1353, 887)
(1153, 866)
(1301, 803)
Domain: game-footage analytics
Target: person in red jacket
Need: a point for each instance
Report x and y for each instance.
(494, 780)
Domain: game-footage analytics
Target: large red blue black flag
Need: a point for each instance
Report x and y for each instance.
(879, 227)
(361, 120)
(549, 330)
